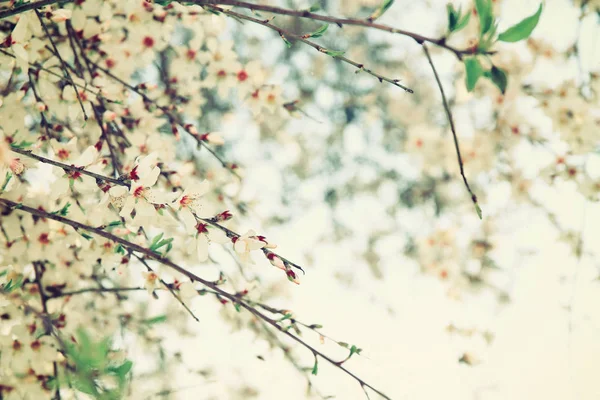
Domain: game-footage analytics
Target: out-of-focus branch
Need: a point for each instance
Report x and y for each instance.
(30, 6)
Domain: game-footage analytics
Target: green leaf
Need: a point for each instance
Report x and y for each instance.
(286, 316)
(319, 32)
(287, 42)
(462, 22)
(523, 29)
(156, 239)
(354, 350)
(85, 235)
(484, 11)
(124, 368)
(21, 145)
(334, 53)
(314, 7)
(343, 344)
(155, 320)
(499, 78)
(315, 368)
(63, 211)
(382, 9)
(452, 17)
(474, 71)
(119, 249)
(7, 179)
(478, 209)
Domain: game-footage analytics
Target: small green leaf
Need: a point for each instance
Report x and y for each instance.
(237, 307)
(7, 179)
(478, 209)
(314, 7)
(523, 29)
(315, 369)
(462, 22)
(316, 326)
(452, 17)
(474, 71)
(499, 78)
(484, 11)
(156, 239)
(354, 350)
(286, 316)
(21, 145)
(63, 211)
(124, 368)
(382, 9)
(319, 32)
(85, 235)
(155, 320)
(287, 42)
(334, 53)
(343, 344)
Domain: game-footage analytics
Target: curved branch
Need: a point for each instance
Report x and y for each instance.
(441, 42)
(452, 128)
(285, 34)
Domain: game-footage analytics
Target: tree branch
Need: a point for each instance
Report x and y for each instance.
(287, 34)
(452, 128)
(157, 257)
(30, 6)
(441, 42)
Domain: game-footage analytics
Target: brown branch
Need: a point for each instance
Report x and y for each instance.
(287, 34)
(158, 257)
(452, 128)
(441, 42)
(67, 167)
(39, 67)
(30, 6)
(62, 63)
(38, 270)
(113, 155)
(170, 287)
(44, 121)
(170, 115)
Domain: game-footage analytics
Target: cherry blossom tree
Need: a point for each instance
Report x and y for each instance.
(126, 189)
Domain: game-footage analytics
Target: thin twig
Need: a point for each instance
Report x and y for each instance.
(441, 42)
(113, 155)
(170, 115)
(38, 270)
(452, 128)
(39, 67)
(287, 34)
(170, 287)
(62, 62)
(30, 6)
(67, 167)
